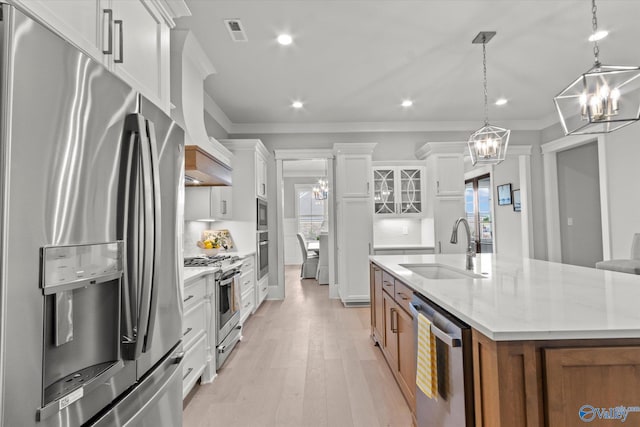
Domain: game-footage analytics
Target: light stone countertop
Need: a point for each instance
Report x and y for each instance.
(526, 299)
(415, 246)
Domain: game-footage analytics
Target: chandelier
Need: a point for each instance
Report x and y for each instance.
(594, 103)
(321, 190)
(487, 145)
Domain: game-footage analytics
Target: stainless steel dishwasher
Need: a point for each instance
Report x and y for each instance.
(453, 405)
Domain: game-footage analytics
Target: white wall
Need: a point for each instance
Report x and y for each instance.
(507, 222)
(622, 150)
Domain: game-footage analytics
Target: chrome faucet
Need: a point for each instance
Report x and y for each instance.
(471, 253)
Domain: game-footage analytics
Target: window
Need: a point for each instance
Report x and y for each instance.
(311, 214)
(477, 202)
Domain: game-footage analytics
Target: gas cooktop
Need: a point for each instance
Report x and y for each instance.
(211, 261)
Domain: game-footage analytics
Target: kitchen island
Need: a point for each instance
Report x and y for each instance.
(547, 339)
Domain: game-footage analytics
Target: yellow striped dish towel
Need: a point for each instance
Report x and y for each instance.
(426, 373)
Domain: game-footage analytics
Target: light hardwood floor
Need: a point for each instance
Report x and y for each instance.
(304, 361)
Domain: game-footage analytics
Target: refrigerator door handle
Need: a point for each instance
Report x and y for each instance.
(146, 238)
(137, 230)
(128, 228)
(155, 230)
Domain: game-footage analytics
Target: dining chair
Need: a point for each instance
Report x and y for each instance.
(309, 260)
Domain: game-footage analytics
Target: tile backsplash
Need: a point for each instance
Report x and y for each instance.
(192, 232)
(403, 231)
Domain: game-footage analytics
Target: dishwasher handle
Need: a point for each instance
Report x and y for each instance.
(439, 333)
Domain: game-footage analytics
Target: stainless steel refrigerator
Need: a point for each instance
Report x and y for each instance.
(91, 175)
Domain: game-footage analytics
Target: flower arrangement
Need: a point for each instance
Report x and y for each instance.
(214, 240)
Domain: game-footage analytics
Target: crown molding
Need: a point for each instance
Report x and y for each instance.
(216, 112)
(429, 148)
(354, 147)
(171, 9)
(303, 154)
(359, 127)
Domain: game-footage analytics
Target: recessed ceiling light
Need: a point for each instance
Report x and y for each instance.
(285, 39)
(407, 103)
(598, 35)
(501, 101)
(297, 104)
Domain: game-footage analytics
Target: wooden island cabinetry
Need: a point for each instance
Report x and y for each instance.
(566, 381)
(392, 329)
(545, 383)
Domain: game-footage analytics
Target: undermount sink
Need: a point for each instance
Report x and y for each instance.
(440, 272)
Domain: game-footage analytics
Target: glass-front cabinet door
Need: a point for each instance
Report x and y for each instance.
(384, 200)
(410, 191)
(398, 191)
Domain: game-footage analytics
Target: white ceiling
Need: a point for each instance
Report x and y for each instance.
(352, 62)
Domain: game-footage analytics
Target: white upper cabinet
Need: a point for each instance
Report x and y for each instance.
(354, 170)
(201, 203)
(141, 49)
(81, 22)
(449, 171)
(261, 176)
(398, 190)
(130, 37)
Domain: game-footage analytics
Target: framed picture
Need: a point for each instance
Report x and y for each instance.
(516, 200)
(504, 194)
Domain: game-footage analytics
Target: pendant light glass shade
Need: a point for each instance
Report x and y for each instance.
(603, 99)
(487, 145)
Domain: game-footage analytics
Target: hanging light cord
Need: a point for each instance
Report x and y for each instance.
(594, 21)
(484, 69)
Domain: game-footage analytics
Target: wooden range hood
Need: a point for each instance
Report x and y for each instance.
(200, 165)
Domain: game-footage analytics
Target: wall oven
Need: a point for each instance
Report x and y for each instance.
(262, 214)
(263, 254)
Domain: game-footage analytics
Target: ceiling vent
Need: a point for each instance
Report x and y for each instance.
(234, 26)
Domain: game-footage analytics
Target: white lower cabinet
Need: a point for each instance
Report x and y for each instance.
(262, 290)
(198, 331)
(194, 362)
(193, 323)
(248, 304)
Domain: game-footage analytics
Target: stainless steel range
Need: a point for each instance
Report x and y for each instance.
(220, 260)
(227, 300)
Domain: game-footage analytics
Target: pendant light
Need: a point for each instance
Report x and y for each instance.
(487, 145)
(603, 99)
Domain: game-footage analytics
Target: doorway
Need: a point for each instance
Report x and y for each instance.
(477, 202)
(579, 205)
(305, 207)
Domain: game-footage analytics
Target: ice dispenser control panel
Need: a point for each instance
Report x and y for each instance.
(67, 267)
